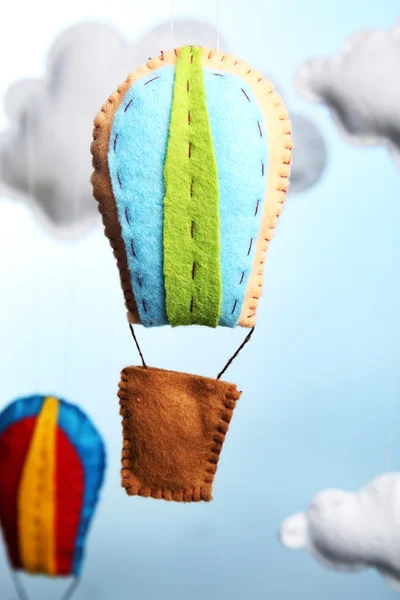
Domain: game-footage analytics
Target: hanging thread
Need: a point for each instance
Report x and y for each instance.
(217, 25)
(392, 414)
(232, 358)
(137, 345)
(172, 24)
(21, 593)
(71, 589)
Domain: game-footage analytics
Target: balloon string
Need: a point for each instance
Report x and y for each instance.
(137, 345)
(232, 358)
(21, 593)
(392, 415)
(71, 589)
(218, 25)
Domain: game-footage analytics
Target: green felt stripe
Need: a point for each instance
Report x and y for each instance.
(191, 204)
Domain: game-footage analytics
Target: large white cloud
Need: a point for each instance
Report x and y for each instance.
(44, 154)
(361, 86)
(352, 531)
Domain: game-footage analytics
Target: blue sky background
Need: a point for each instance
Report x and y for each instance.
(320, 379)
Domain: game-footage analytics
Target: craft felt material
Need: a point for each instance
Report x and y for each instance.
(51, 469)
(191, 161)
(136, 159)
(174, 426)
(241, 148)
(36, 510)
(243, 142)
(191, 203)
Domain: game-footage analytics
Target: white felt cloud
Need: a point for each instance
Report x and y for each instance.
(361, 86)
(45, 153)
(352, 531)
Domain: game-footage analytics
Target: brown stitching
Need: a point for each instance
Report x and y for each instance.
(128, 105)
(189, 117)
(229, 403)
(150, 80)
(187, 86)
(192, 229)
(190, 150)
(251, 243)
(191, 191)
(191, 304)
(193, 270)
(245, 94)
(241, 279)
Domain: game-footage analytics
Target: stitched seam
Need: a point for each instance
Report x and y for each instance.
(228, 405)
(235, 302)
(139, 297)
(282, 186)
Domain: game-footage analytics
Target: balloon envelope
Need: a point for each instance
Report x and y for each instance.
(192, 159)
(52, 462)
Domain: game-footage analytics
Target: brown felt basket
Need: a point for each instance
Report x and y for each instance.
(174, 426)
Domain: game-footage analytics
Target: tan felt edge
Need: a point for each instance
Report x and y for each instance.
(279, 143)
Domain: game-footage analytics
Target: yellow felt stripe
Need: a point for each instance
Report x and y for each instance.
(36, 498)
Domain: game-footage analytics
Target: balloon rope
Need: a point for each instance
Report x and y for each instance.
(232, 358)
(71, 589)
(21, 593)
(137, 345)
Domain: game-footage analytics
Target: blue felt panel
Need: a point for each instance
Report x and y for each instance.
(20, 409)
(90, 448)
(136, 159)
(240, 143)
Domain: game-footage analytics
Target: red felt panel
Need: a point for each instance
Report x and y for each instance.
(14, 445)
(69, 491)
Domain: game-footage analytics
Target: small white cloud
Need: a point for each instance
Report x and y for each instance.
(361, 86)
(45, 153)
(352, 531)
(309, 155)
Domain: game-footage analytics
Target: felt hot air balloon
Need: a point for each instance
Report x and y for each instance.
(192, 158)
(52, 462)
